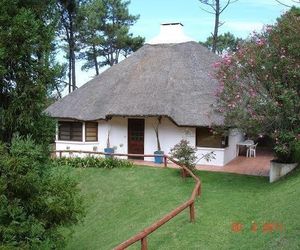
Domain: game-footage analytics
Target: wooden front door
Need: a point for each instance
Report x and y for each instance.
(136, 132)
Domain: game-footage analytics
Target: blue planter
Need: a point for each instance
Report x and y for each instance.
(109, 151)
(159, 158)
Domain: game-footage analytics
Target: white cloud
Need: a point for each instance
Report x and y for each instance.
(269, 2)
(244, 27)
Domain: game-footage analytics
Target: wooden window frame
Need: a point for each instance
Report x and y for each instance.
(96, 123)
(222, 138)
(71, 130)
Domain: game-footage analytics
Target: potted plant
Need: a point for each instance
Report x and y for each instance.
(158, 158)
(108, 149)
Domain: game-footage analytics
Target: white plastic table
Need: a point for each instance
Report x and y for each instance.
(246, 143)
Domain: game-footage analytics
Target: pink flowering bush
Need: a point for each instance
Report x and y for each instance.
(259, 84)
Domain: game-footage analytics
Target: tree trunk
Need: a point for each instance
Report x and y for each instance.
(95, 59)
(70, 72)
(111, 54)
(157, 139)
(58, 92)
(73, 72)
(216, 28)
(72, 52)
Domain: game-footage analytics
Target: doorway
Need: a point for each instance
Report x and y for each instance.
(136, 134)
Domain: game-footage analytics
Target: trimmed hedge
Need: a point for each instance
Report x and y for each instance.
(92, 162)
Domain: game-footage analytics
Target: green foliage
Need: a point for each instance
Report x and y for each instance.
(284, 145)
(296, 152)
(185, 154)
(35, 198)
(92, 162)
(216, 8)
(67, 10)
(259, 85)
(226, 42)
(104, 32)
(27, 31)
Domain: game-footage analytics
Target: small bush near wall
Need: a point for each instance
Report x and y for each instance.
(185, 154)
(92, 162)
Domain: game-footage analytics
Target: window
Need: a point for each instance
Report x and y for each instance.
(70, 131)
(91, 131)
(206, 138)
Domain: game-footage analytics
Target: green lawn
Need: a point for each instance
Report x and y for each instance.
(121, 202)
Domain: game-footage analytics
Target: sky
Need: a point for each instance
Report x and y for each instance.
(240, 18)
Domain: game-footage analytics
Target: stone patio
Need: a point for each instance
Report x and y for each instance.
(258, 166)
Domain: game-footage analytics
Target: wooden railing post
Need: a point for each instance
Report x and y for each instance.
(165, 161)
(199, 190)
(192, 212)
(60, 154)
(144, 245)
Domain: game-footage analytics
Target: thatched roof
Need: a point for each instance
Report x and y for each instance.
(169, 80)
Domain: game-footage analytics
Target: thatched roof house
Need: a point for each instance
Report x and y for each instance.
(171, 80)
(168, 77)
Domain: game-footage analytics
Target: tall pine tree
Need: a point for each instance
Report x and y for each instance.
(68, 11)
(104, 33)
(226, 42)
(27, 30)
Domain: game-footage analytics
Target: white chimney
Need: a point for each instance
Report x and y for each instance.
(170, 33)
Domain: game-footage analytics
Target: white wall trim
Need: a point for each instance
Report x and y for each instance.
(212, 149)
(77, 142)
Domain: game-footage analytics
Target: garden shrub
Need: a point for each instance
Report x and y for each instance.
(36, 198)
(259, 85)
(185, 154)
(92, 162)
(296, 152)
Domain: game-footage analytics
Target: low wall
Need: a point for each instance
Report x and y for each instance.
(278, 170)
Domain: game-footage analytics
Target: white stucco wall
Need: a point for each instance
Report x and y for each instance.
(118, 134)
(235, 136)
(222, 155)
(169, 134)
(118, 138)
(218, 155)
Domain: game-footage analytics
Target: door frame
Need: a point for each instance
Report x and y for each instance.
(128, 137)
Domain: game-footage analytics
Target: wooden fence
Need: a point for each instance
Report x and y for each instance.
(142, 235)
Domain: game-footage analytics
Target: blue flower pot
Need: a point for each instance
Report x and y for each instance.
(109, 151)
(159, 158)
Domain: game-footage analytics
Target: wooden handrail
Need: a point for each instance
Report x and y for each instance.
(142, 235)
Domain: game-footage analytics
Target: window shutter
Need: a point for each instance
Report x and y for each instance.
(70, 131)
(91, 131)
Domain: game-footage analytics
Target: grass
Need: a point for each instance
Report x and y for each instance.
(121, 202)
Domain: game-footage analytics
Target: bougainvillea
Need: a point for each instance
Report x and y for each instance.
(259, 84)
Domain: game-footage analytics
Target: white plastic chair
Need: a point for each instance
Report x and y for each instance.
(251, 150)
(249, 141)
